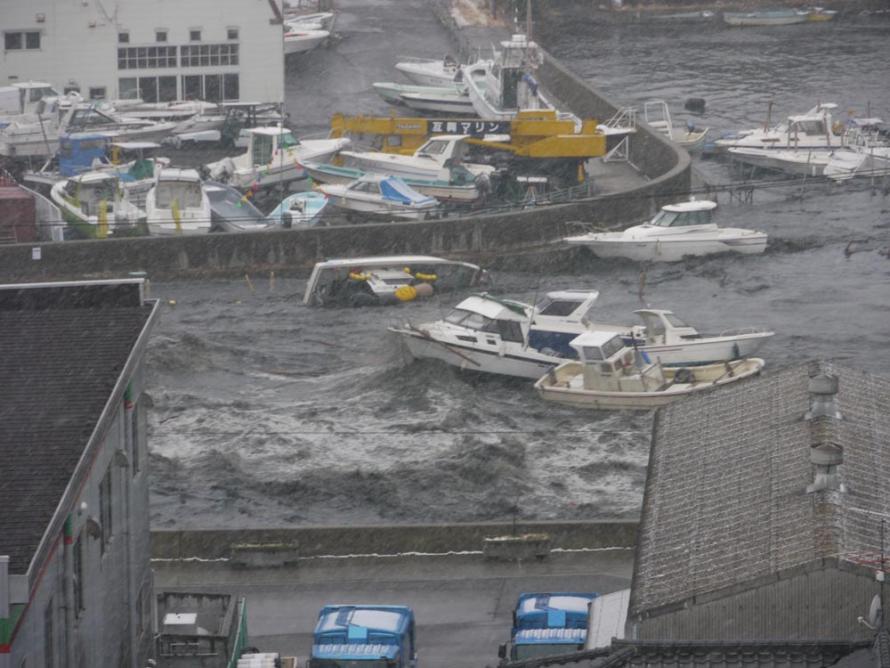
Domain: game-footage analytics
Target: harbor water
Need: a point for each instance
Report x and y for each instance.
(269, 413)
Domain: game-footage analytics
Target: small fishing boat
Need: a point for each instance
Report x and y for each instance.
(95, 205)
(299, 210)
(776, 17)
(232, 211)
(371, 281)
(435, 99)
(381, 196)
(852, 161)
(460, 186)
(814, 129)
(177, 204)
(507, 337)
(612, 375)
(315, 21)
(676, 231)
(429, 72)
(657, 114)
(273, 157)
(432, 161)
(799, 162)
(299, 39)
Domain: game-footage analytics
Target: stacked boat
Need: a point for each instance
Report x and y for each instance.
(305, 32)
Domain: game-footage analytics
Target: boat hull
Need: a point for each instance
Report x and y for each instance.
(442, 104)
(692, 353)
(798, 163)
(673, 250)
(442, 191)
(755, 19)
(561, 385)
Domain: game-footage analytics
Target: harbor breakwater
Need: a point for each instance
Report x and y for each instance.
(312, 541)
(474, 237)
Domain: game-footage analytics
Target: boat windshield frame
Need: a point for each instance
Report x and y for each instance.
(460, 317)
(605, 351)
(666, 218)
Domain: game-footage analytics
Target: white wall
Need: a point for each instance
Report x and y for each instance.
(79, 41)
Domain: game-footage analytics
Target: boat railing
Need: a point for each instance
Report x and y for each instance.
(625, 117)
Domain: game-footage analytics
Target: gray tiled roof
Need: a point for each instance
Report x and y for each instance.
(61, 353)
(725, 500)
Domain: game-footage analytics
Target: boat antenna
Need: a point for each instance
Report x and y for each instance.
(769, 115)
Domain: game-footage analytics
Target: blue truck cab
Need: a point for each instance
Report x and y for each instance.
(364, 636)
(547, 624)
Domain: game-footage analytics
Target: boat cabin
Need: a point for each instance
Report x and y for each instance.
(684, 214)
(484, 314)
(89, 191)
(664, 328)
(610, 365)
(267, 143)
(182, 186)
(25, 98)
(446, 150)
(556, 320)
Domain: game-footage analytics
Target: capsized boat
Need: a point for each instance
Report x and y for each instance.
(377, 195)
(177, 204)
(503, 336)
(676, 231)
(427, 72)
(273, 157)
(657, 114)
(461, 185)
(232, 211)
(388, 279)
(95, 205)
(612, 375)
(299, 210)
(775, 17)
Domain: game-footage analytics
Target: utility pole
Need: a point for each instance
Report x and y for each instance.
(528, 19)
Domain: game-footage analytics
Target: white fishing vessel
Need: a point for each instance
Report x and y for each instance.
(429, 72)
(381, 196)
(676, 231)
(432, 161)
(387, 279)
(460, 185)
(177, 204)
(500, 88)
(612, 375)
(299, 210)
(300, 39)
(315, 21)
(95, 205)
(657, 114)
(503, 336)
(816, 129)
(858, 161)
(232, 211)
(273, 157)
(799, 162)
(451, 99)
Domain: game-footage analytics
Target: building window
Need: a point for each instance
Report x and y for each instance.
(210, 87)
(194, 35)
(153, 89)
(146, 57)
(77, 574)
(209, 55)
(231, 88)
(105, 517)
(97, 93)
(32, 40)
(160, 35)
(49, 638)
(123, 38)
(232, 33)
(128, 88)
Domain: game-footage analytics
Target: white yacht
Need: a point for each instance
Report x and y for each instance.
(273, 157)
(676, 231)
(450, 99)
(814, 130)
(430, 72)
(376, 195)
(507, 337)
(612, 375)
(432, 161)
(299, 39)
(95, 205)
(177, 204)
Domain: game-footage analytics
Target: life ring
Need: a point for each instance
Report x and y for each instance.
(426, 277)
(357, 276)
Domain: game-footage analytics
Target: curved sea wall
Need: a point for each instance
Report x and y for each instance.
(481, 237)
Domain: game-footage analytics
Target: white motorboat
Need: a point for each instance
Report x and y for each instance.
(612, 375)
(315, 21)
(461, 186)
(381, 196)
(298, 38)
(232, 211)
(177, 204)
(500, 88)
(507, 337)
(451, 99)
(90, 118)
(676, 231)
(299, 210)
(800, 162)
(273, 157)
(852, 161)
(95, 205)
(657, 114)
(432, 161)
(776, 17)
(370, 281)
(813, 130)
(430, 72)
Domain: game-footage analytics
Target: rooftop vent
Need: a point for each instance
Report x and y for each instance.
(823, 397)
(825, 458)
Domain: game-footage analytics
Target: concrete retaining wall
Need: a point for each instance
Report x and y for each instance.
(478, 238)
(428, 538)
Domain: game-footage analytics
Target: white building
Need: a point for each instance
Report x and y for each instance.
(158, 50)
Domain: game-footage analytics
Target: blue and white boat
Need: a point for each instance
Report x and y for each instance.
(387, 196)
(299, 210)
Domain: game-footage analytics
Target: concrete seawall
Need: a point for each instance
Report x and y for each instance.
(390, 539)
(478, 238)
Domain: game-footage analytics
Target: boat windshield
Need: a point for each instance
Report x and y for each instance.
(262, 149)
(287, 140)
(434, 147)
(810, 127)
(471, 320)
(681, 218)
(557, 307)
(605, 351)
(185, 194)
(674, 320)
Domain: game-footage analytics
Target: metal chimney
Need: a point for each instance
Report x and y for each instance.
(826, 458)
(823, 397)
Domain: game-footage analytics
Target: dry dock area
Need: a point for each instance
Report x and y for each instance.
(463, 603)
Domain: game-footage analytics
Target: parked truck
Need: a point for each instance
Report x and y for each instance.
(364, 636)
(547, 624)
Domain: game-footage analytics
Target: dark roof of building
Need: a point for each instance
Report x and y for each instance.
(62, 349)
(726, 499)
